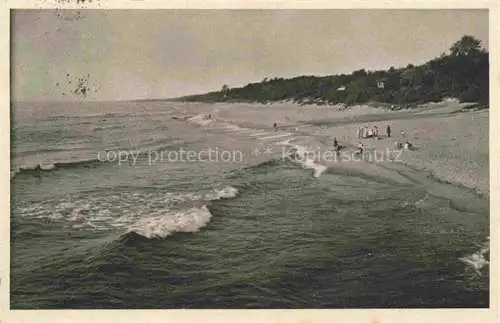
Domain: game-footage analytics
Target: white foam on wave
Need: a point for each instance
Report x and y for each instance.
(238, 129)
(216, 194)
(47, 166)
(477, 260)
(286, 142)
(418, 203)
(421, 200)
(120, 211)
(234, 127)
(275, 136)
(302, 157)
(190, 220)
(318, 168)
(201, 119)
(225, 193)
(229, 127)
(218, 126)
(259, 133)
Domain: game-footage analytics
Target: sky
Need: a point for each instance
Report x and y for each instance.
(152, 54)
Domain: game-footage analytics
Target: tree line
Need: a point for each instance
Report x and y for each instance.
(463, 73)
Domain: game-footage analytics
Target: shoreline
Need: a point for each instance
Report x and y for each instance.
(451, 139)
(446, 144)
(389, 107)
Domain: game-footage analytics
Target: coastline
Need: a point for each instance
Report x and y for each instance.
(451, 141)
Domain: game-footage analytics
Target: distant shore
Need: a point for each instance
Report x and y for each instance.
(338, 107)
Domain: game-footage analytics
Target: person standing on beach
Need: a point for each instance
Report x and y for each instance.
(388, 131)
(358, 133)
(275, 125)
(361, 148)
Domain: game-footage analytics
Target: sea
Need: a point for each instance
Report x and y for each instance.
(168, 205)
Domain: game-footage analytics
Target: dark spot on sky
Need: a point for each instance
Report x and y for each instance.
(80, 86)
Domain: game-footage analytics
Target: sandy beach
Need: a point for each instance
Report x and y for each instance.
(448, 141)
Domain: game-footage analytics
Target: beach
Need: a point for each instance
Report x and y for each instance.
(450, 143)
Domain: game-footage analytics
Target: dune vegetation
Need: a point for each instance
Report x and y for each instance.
(463, 73)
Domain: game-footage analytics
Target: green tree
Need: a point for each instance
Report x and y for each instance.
(464, 74)
(466, 46)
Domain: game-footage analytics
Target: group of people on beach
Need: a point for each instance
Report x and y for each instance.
(368, 132)
(372, 132)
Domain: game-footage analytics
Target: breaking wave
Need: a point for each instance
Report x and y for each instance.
(161, 226)
(201, 119)
(41, 168)
(148, 214)
(479, 259)
(299, 154)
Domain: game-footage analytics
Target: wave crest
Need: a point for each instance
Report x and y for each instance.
(225, 193)
(41, 168)
(300, 155)
(201, 119)
(98, 212)
(191, 220)
(478, 259)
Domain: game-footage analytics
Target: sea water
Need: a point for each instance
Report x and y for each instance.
(106, 223)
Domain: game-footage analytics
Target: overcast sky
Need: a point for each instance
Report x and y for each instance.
(166, 53)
